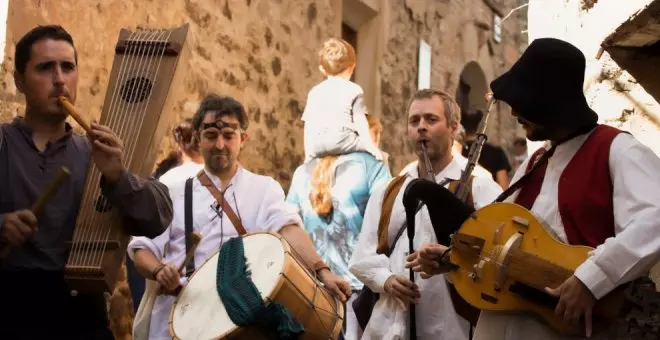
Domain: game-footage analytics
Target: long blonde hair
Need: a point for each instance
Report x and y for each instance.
(322, 179)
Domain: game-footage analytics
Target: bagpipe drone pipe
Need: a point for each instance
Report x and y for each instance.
(447, 213)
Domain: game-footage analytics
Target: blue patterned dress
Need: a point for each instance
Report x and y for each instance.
(357, 175)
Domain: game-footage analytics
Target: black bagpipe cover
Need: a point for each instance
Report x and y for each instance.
(447, 212)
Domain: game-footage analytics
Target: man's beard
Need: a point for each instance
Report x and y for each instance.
(434, 151)
(534, 132)
(217, 161)
(538, 134)
(48, 113)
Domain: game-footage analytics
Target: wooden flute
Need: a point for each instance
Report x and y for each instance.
(64, 101)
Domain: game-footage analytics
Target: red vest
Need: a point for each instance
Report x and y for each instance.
(585, 190)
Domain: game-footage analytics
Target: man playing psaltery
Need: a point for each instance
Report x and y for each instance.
(35, 301)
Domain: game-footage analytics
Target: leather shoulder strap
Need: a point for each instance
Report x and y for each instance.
(220, 199)
(389, 197)
(190, 267)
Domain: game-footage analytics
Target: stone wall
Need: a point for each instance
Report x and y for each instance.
(264, 54)
(261, 52)
(459, 32)
(611, 91)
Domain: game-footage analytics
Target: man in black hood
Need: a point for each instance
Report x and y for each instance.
(593, 185)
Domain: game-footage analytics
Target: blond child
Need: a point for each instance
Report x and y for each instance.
(335, 115)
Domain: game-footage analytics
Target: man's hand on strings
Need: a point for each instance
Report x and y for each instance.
(107, 152)
(403, 290)
(426, 260)
(335, 284)
(18, 226)
(575, 300)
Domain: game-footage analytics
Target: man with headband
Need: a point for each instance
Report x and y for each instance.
(433, 119)
(251, 202)
(593, 185)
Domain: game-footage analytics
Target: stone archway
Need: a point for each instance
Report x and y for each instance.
(472, 88)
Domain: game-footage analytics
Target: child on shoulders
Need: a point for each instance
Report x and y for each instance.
(335, 115)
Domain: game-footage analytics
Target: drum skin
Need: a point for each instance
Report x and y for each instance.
(278, 274)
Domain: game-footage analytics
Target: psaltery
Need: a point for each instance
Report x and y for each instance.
(138, 108)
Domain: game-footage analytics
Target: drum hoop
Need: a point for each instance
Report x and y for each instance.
(276, 288)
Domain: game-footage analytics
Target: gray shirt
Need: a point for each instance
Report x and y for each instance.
(24, 174)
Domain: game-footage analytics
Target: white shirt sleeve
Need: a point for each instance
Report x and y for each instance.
(369, 267)
(275, 212)
(634, 170)
(156, 245)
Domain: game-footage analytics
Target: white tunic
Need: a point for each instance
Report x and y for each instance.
(634, 170)
(436, 317)
(181, 173)
(257, 200)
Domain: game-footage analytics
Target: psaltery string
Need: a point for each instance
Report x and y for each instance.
(79, 247)
(145, 106)
(114, 119)
(118, 122)
(89, 224)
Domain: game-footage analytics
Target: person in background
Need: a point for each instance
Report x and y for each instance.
(331, 195)
(493, 158)
(457, 150)
(335, 114)
(184, 162)
(519, 152)
(376, 130)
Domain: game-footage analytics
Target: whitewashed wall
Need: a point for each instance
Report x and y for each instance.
(564, 19)
(627, 105)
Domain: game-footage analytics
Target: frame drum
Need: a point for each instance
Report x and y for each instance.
(199, 314)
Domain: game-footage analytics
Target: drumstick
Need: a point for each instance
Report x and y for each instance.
(72, 112)
(41, 201)
(194, 238)
(51, 189)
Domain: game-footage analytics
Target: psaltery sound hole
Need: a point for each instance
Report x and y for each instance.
(136, 89)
